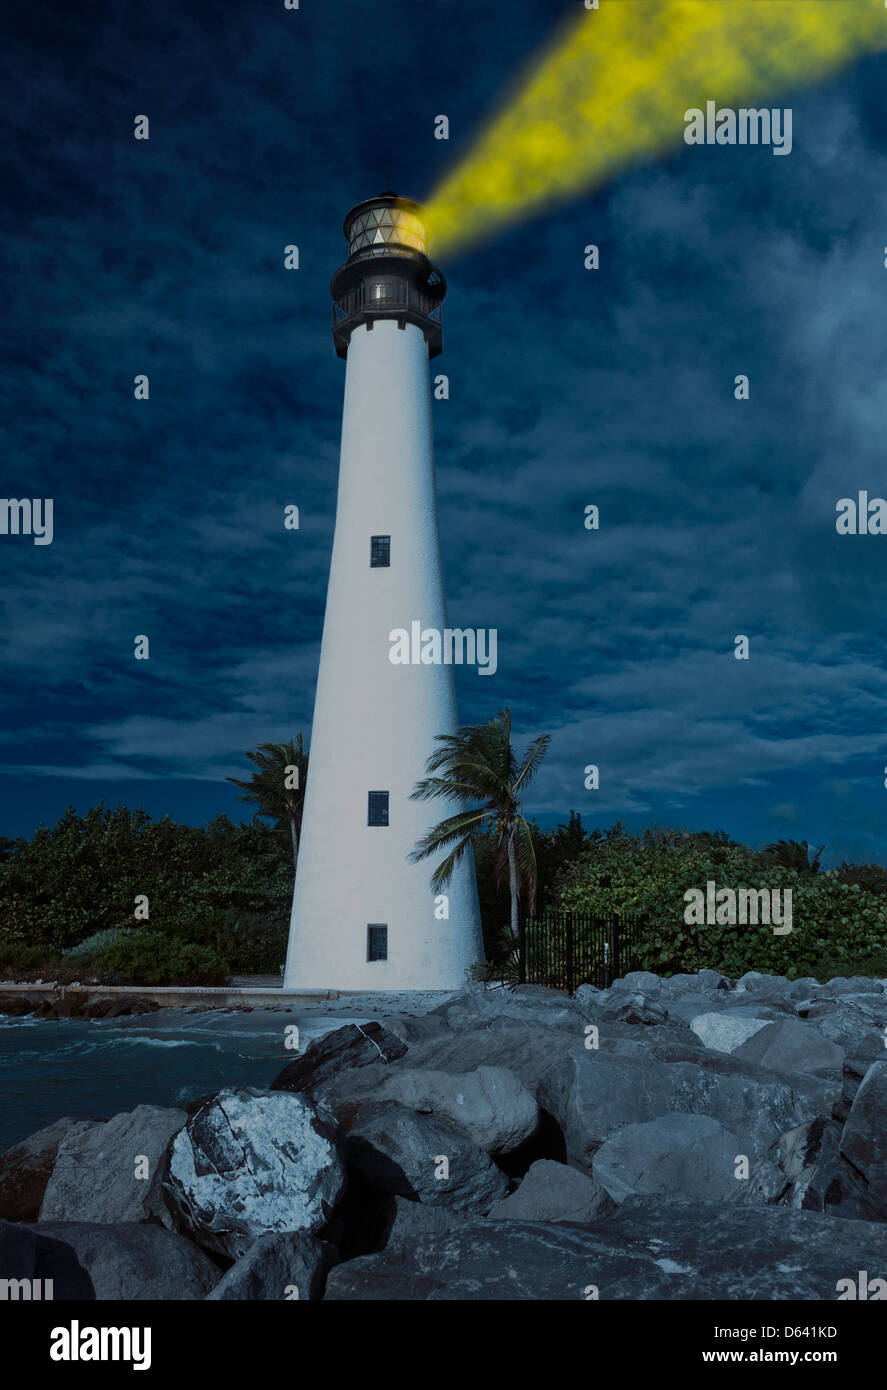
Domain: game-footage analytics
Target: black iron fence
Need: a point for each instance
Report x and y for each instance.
(566, 949)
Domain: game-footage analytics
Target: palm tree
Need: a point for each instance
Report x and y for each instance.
(792, 855)
(267, 788)
(478, 765)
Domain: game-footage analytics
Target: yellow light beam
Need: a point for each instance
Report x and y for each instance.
(614, 87)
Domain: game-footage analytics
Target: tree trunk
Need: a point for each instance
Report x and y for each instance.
(294, 836)
(513, 883)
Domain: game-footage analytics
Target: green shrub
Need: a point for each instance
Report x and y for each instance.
(833, 921)
(93, 945)
(154, 958)
(72, 888)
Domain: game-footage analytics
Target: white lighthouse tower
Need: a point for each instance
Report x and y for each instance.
(363, 916)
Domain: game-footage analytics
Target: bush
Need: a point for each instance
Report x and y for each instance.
(72, 889)
(834, 923)
(154, 958)
(93, 945)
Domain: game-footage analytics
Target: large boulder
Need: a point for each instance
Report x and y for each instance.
(792, 1046)
(654, 1248)
(864, 1141)
(405, 1220)
(554, 1192)
(638, 982)
(411, 1028)
(477, 1011)
(726, 1030)
(400, 1152)
(252, 1162)
(856, 1023)
(355, 1045)
(685, 1156)
(818, 1177)
(527, 1049)
(98, 1173)
(853, 984)
(591, 1094)
(26, 1168)
(287, 1265)
(489, 1104)
(136, 1260)
(28, 1254)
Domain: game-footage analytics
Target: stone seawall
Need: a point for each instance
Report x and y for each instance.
(102, 1000)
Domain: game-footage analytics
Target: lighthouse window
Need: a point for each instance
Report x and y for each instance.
(377, 809)
(380, 552)
(377, 941)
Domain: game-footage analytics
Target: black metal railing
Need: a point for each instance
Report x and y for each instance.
(566, 949)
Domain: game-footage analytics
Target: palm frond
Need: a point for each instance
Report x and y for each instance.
(439, 836)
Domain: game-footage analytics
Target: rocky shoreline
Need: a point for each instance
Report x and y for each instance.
(681, 1138)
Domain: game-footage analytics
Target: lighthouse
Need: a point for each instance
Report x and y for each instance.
(363, 916)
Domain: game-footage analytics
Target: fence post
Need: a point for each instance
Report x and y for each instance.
(570, 971)
(521, 945)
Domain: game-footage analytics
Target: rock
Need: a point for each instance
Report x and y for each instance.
(792, 1046)
(28, 1253)
(864, 1141)
(753, 982)
(135, 1260)
(16, 1005)
(398, 1151)
(667, 1042)
(590, 1095)
(680, 1155)
(355, 1045)
(635, 1008)
(534, 1004)
(854, 984)
(725, 1031)
(127, 1004)
(415, 1028)
(94, 1178)
(286, 1265)
(253, 1162)
(653, 1249)
(807, 987)
(490, 1105)
(856, 1023)
(589, 997)
(553, 1192)
(688, 1006)
(406, 1220)
(810, 1158)
(527, 1049)
(26, 1168)
(639, 982)
(674, 985)
(712, 979)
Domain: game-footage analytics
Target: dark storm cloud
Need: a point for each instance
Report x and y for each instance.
(568, 387)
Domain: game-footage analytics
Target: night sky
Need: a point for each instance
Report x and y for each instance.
(568, 387)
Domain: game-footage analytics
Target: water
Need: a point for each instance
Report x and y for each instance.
(55, 1067)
